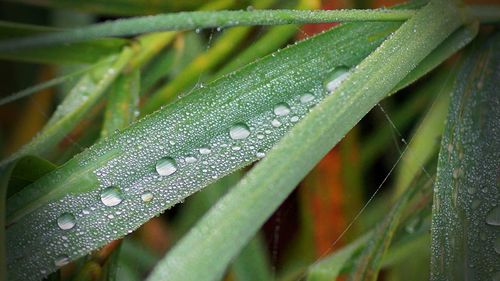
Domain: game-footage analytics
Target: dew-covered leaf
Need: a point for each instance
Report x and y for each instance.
(120, 183)
(239, 214)
(466, 220)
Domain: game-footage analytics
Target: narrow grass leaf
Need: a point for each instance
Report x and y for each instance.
(177, 150)
(73, 53)
(26, 171)
(122, 104)
(370, 260)
(84, 95)
(425, 140)
(465, 220)
(201, 19)
(239, 214)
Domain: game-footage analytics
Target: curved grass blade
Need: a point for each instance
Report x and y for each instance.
(201, 19)
(84, 95)
(194, 132)
(370, 260)
(425, 139)
(122, 105)
(465, 221)
(84, 52)
(239, 214)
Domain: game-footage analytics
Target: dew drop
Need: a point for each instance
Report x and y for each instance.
(205, 150)
(166, 166)
(281, 109)
(111, 196)
(493, 217)
(146, 196)
(294, 119)
(190, 159)
(306, 98)
(61, 260)
(336, 78)
(276, 123)
(239, 131)
(260, 154)
(66, 221)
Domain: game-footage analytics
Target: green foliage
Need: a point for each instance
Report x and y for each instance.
(204, 114)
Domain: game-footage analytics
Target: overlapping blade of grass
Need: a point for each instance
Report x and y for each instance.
(425, 139)
(84, 95)
(465, 222)
(195, 129)
(122, 105)
(344, 260)
(370, 260)
(84, 52)
(239, 214)
(201, 19)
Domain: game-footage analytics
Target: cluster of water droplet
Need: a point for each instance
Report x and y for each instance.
(168, 156)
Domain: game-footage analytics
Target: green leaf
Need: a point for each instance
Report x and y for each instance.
(84, 52)
(199, 120)
(239, 214)
(370, 260)
(122, 105)
(201, 19)
(465, 221)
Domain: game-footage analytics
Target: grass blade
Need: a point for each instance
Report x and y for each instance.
(128, 159)
(202, 19)
(370, 260)
(84, 52)
(465, 212)
(239, 214)
(122, 105)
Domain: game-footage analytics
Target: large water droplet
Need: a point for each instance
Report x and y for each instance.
(239, 131)
(281, 109)
(61, 260)
(111, 196)
(493, 217)
(66, 221)
(146, 196)
(166, 166)
(306, 98)
(205, 150)
(336, 78)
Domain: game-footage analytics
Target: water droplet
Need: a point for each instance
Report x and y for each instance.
(260, 154)
(61, 260)
(239, 131)
(493, 217)
(276, 123)
(294, 119)
(205, 150)
(336, 78)
(190, 159)
(166, 166)
(66, 221)
(281, 109)
(146, 196)
(111, 196)
(306, 98)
